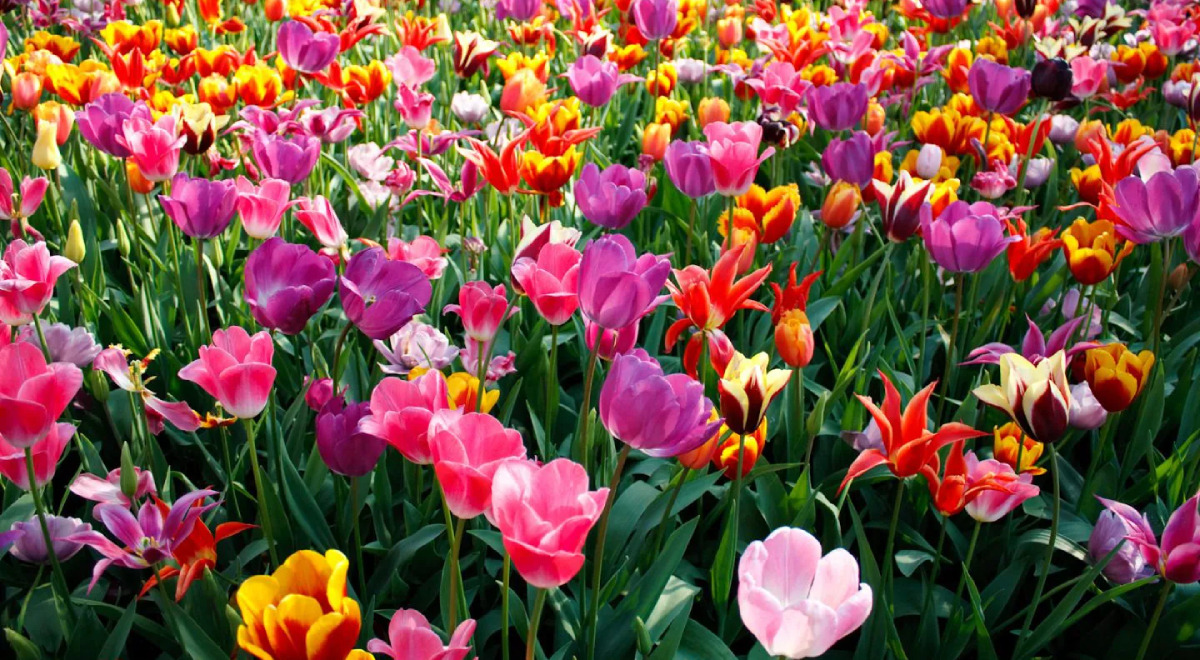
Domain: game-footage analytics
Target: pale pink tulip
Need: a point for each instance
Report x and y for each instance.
(422, 252)
(410, 637)
(235, 370)
(992, 505)
(46, 453)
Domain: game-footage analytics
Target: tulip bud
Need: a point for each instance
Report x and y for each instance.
(929, 161)
(45, 150)
(655, 139)
(1052, 79)
(747, 388)
(275, 10)
(794, 338)
(26, 90)
(1179, 277)
(122, 240)
(712, 109)
(1192, 102)
(173, 16)
(611, 342)
(841, 205)
(76, 249)
(729, 31)
(874, 119)
(750, 446)
(1026, 8)
(60, 115)
(1086, 412)
(129, 476)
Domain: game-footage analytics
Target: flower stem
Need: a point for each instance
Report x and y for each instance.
(504, 623)
(1041, 583)
(337, 354)
(535, 618)
(259, 492)
(201, 295)
(57, 581)
(1158, 610)
(455, 548)
(551, 383)
(358, 553)
(598, 552)
(666, 517)
(37, 325)
(950, 349)
(962, 580)
(583, 448)
(891, 539)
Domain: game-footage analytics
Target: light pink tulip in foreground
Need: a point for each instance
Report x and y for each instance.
(236, 370)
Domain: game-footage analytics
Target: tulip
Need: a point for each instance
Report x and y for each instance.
(482, 309)
(837, 107)
(998, 88)
(29, 544)
(422, 252)
(46, 155)
(201, 208)
(409, 67)
(1037, 398)
(656, 137)
(290, 158)
(612, 198)
(287, 284)
(199, 126)
(522, 92)
(747, 388)
(379, 295)
(1159, 208)
(1010, 443)
(840, 207)
(469, 108)
(401, 411)
(304, 50)
(945, 9)
(27, 278)
(1051, 79)
(463, 391)
(655, 19)
(101, 122)
(1035, 347)
(690, 168)
(318, 216)
(1117, 375)
(26, 90)
(964, 238)
(1086, 411)
(46, 450)
(737, 449)
(796, 602)
(33, 394)
(1092, 250)
(410, 637)
(544, 514)
(302, 605)
(332, 125)
(607, 343)
(415, 108)
(1111, 529)
(900, 205)
(416, 345)
(1088, 76)
(344, 445)
(317, 392)
(794, 339)
(712, 110)
(551, 281)
(852, 160)
(616, 286)
(153, 147)
(990, 505)
(733, 150)
(467, 449)
(261, 206)
(76, 346)
(660, 415)
(235, 370)
(1180, 545)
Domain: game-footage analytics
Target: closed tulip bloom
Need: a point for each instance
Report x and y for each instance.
(286, 284)
(64, 343)
(794, 339)
(551, 281)
(1093, 250)
(410, 637)
(1037, 398)
(1117, 375)
(402, 409)
(607, 343)
(201, 208)
(1051, 79)
(998, 88)
(101, 122)
(235, 370)
(990, 505)
(945, 9)
(345, 446)
(318, 216)
(797, 603)
(47, 449)
(469, 108)
(380, 295)
(467, 450)
(747, 388)
(415, 107)
(595, 80)
(1111, 529)
(733, 149)
(837, 107)
(841, 205)
(304, 50)
(290, 158)
(612, 198)
(29, 544)
(317, 392)
(261, 206)
(153, 146)
(1159, 208)
(33, 394)
(46, 155)
(655, 19)
(1086, 411)
(690, 168)
(482, 308)
(661, 415)
(1088, 76)
(1010, 443)
(964, 238)
(852, 160)
(544, 514)
(1180, 545)
(616, 286)
(900, 205)
(27, 278)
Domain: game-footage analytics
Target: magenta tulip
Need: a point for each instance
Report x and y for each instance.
(261, 206)
(154, 146)
(290, 158)
(1162, 207)
(27, 277)
(201, 208)
(991, 505)
(655, 19)
(998, 88)
(482, 308)
(661, 415)
(33, 394)
(595, 80)
(852, 160)
(839, 106)
(287, 284)
(380, 295)
(102, 122)
(612, 198)
(964, 238)
(304, 50)
(551, 281)
(343, 442)
(616, 286)
(690, 168)
(47, 450)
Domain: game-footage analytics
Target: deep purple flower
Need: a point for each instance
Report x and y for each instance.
(1035, 347)
(839, 106)
(852, 160)
(291, 158)
(655, 19)
(29, 544)
(518, 10)
(612, 198)
(998, 88)
(380, 295)
(286, 284)
(945, 9)
(616, 286)
(1091, 8)
(1162, 207)
(595, 80)
(304, 50)
(102, 120)
(201, 208)
(690, 168)
(660, 415)
(964, 238)
(345, 447)
(65, 344)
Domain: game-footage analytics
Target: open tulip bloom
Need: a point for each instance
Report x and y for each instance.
(578, 329)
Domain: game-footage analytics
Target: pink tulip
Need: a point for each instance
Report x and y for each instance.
(235, 370)
(551, 281)
(262, 206)
(733, 150)
(402, 409)
(410, 637)
(1181, 544)
(415, 107)
(422, 252)
(992, 505)
(467, 450)
(796, 602)
(544, 514)
(780, 85)
(32, 192)
(318, 215)
(482, 309)
(1088, 76)
(46, 453)
(153, 146)
(409, 67)
(611, 342)
(27, 277)
(32, 393)
(108, 490)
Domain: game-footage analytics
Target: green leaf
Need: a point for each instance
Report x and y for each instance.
(398, 556)
(23, 649)
(114, 645)
(195, 642)
(304, 509)
(699, 643)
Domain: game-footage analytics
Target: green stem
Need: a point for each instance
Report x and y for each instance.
(358, 552)
(337, 354)
(583, 447)
(962, 580)
(598, 558)
(201, 294)
(1041, 583)
(260, 492)
(666, 517)
(551, 384)
(504, 622)
(58, 581)
(535, 618)
(1158, 610)
(25, 603)
(37, 325)
(455, 548)
(891, 539)
(950, 349)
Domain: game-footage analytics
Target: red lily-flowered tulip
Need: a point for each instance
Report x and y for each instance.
(1026, 255)
(502, 171)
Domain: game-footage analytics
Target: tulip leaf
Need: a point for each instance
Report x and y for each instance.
(698, 643)
(22, 648)
(195, 642)
(114, 645)
(307, 514)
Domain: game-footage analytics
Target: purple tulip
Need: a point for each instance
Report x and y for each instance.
(595, 80)
(616, 286)
(1035, 347)
(662, 416)
(29, 545)
(945, 9)
(102, 120)
(965, 237)
(64, 343)
(380, 295)
(1113, 527)
(998, 88)
(304, 50)
(839, 106)
(1162, 207)
(286, 284)
(291, 158)
(345, 447)
(655, 19)
(518, 10)
(201, 208)
(852, 160)
(1086, 412)
(1091, 8)
(690, 168)
(612, 198)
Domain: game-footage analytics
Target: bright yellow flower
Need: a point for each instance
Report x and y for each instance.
(463, 389)
(747, 388)
(1117, 375)
(63, 47)
(260, 85)
(1006, 446)
(516, 60)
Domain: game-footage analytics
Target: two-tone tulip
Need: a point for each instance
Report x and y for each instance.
(1037, 398)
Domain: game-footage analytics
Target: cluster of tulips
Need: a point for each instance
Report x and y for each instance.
(338, 329)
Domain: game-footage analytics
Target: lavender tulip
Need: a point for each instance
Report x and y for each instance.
(344, 446)
(660, 415)
(518, 10)
(380, 295)
(304, 50)
(64, 343)
(1162, 207)
(839, 106)
(415, 345)
(291, 158)
(655, 19)
(286, 284)
(964, 238)
(616, 286)
(595, 80)
(612, 198)
(201, 208)
(690, 168)
(29, 544)
(1121, 523)
(998, 88)
(852, 160)
(945, 9)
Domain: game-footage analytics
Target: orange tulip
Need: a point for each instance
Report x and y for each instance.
(1093, 250)
(1027, 254)
(522, 93)
(546, 174)
(712, 109)
(725, 457)
(1117, 374)
(137, 182)
(1009, 441)
(655, 138)
(662, 81)
(26, 90)
(841, 205)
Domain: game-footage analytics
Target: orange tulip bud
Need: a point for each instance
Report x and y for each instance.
(841, 205)
(794, 339)
(26, 90)
(712, 109)
(1021, 452)
(726, 455)
(655, 139)
(1117, 375)
(522, 92)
